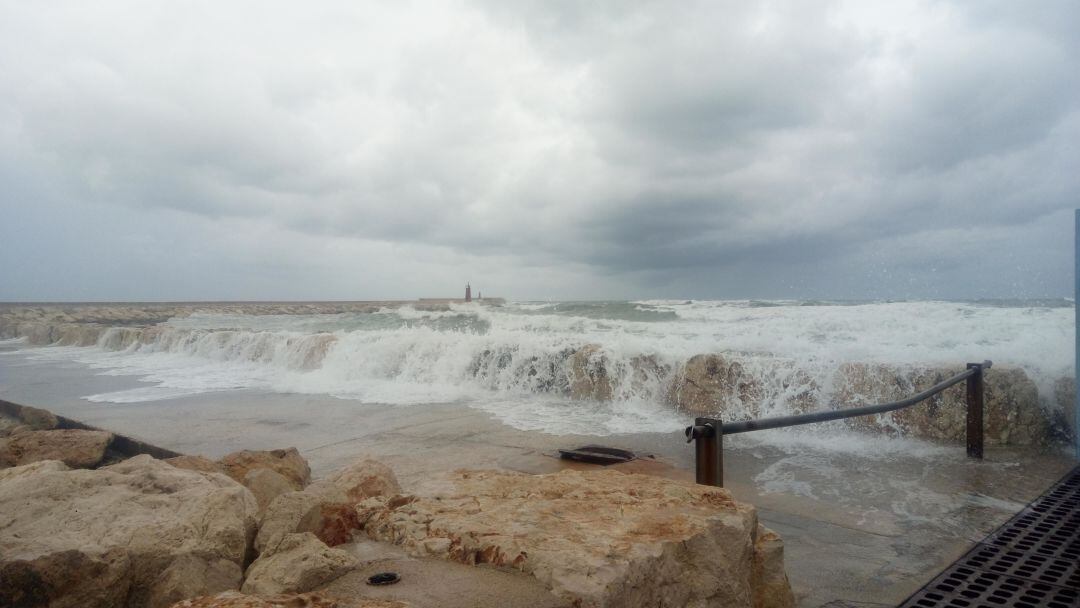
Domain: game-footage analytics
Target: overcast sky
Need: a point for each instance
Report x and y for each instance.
(566, 150)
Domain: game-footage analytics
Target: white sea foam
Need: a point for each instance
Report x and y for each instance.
(514, 361)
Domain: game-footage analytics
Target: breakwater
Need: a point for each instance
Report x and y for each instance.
(604, 367)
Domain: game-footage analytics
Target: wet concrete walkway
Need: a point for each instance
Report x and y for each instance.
(1031, 560)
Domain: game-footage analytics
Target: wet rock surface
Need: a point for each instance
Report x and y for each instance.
(1064, 413)
(588, 373)
(1011, 416)
(709, 384)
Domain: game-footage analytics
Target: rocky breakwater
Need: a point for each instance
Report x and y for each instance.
(595, 538)
(84, 324)
(253, 530)
(88, 324)
(1014, 412)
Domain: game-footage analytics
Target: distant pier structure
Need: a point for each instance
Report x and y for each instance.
(468, 293)
(468, 298)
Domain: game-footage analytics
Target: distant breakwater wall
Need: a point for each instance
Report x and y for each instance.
(732, 385)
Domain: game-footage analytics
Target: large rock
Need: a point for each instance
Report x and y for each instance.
(296, 563)
(65, 579)
(595, 538)
(75, 448)
(190, 576)
(195, 463)
(289, 513)
(711, 384)
(588, 374)
(1011, 410)
(232, 599)
(128, 523)
(8, 425)
(321, 508)
(288, 463)
(266, 485)
(38, 419)
(337, 523)
(364, 479)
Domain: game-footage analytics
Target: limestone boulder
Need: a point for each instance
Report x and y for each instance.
(232, 599)
(191, 576)
(8, 425)
(773, 587)
(287, 462)
(364, 479)
(325, 513)
(712, 384)
(1012, 414)
(296, 563)
(287, 514)
(266, 485)
(128, 523)
(41, 466)
(195, 463)
(67, 579)
(595, 538)
(647, 375)
(587, 369)
(75, 448)
(38, 419)
(337, 523)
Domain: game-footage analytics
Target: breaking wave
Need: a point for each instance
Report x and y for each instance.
(573, 367)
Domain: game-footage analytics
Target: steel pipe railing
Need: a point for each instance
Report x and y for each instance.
(708, 433)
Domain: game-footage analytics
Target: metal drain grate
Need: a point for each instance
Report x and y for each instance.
(1053, 571)
(1031, 561)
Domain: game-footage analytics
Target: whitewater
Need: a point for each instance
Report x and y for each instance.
(515, 361)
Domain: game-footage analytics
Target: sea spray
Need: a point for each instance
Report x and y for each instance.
(567, 367)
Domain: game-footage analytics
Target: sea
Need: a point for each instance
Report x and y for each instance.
(514, 360)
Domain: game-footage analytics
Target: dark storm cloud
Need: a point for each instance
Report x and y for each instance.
(594, 149)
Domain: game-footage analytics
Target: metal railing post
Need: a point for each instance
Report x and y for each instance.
(708, 437)
(975, 411)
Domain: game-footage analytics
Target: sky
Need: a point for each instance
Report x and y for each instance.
(154, 150)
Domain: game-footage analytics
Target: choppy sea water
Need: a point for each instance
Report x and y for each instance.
(514, 360)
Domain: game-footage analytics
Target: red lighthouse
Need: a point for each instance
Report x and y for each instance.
(468, 293)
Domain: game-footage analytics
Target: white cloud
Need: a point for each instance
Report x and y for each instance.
(559, 149)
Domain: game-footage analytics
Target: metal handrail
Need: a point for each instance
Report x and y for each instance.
(709, 432)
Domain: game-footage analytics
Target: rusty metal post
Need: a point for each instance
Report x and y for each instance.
(975, 411)
(708, 437)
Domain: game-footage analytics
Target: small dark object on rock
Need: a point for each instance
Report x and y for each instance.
(383, 578)
(598, 454)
